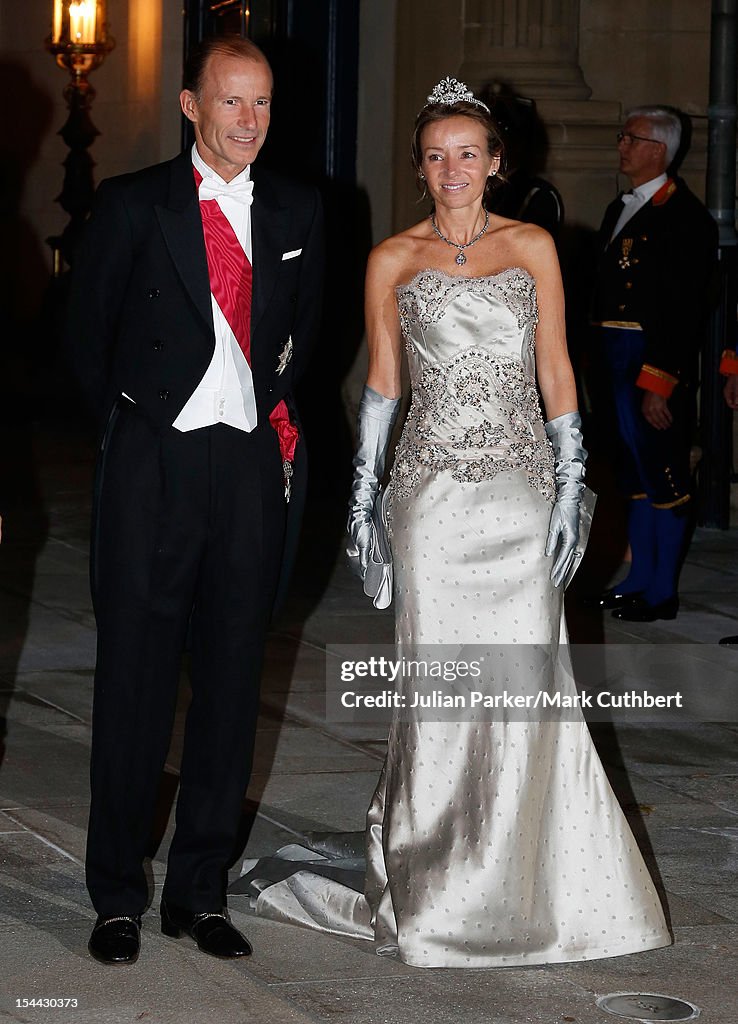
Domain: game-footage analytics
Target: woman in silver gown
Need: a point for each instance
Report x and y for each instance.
(498, 842)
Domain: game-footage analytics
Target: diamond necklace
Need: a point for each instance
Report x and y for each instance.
(461, 258)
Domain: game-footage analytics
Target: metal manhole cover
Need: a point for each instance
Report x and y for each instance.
(647, 1007)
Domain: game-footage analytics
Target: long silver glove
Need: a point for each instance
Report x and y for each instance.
(565, 433)
(377, 416)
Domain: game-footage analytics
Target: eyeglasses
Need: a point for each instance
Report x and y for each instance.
(630, 138)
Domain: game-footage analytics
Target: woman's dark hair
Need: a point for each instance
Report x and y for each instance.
(434, 112)
(228, 46)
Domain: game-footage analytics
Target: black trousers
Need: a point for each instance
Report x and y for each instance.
(188, 534)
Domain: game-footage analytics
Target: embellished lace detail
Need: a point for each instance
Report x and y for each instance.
(481, 436)
(424, 299)
(534, 457)
(474, 385)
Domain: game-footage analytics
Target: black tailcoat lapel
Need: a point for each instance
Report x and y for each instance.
(181, 226)
(269, 223)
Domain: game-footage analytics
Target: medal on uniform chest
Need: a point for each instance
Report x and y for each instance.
(626, 244)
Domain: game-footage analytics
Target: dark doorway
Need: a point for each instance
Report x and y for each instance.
(313, 46)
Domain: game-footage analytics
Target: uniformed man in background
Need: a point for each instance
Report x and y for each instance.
(657, 252)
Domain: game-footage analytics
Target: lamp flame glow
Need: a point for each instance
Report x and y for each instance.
(82, 21)
(78, 23)
(79, 36)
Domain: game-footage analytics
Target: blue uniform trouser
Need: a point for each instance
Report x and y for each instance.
(652, 468)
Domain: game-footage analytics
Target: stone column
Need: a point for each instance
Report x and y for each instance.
(531, 44)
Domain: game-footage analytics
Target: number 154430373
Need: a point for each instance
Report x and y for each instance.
(46, 1003)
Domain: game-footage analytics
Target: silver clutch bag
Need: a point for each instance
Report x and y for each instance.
(586, 511)
(379, 578)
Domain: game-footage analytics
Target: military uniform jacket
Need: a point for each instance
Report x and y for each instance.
(657, 274)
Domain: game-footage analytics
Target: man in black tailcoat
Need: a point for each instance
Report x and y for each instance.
(195, 300)
(657, 253)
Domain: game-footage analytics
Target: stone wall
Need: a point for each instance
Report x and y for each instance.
(584, 64)
(655, 51)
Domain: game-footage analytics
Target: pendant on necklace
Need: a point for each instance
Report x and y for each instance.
(460, 259)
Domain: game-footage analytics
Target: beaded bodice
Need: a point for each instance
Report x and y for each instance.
(475, 410)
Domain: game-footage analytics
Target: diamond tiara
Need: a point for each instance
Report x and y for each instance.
(450, 91)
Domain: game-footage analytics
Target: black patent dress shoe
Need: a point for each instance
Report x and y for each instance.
(728, 641)
(642, 611)
(612, 598)
(213, 932)
(116, 940)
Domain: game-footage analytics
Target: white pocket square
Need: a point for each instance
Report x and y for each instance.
(291, 254)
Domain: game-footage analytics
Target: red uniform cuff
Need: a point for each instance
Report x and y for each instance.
(729, 362)
(652, 379)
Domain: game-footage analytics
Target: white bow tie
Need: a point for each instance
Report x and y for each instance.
(242, 191)
(629, 197)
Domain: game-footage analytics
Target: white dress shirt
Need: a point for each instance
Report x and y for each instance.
(633, 201)
(226, 392)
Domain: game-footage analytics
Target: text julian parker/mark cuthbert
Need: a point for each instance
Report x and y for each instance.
(541, 699)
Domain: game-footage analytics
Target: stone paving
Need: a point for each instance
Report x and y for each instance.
(677, 784)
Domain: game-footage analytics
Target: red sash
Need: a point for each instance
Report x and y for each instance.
(229, 270)
(231, 279)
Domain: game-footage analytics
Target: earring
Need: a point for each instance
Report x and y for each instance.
(421, 176)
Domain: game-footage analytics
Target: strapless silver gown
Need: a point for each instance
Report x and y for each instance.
(488, 843)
